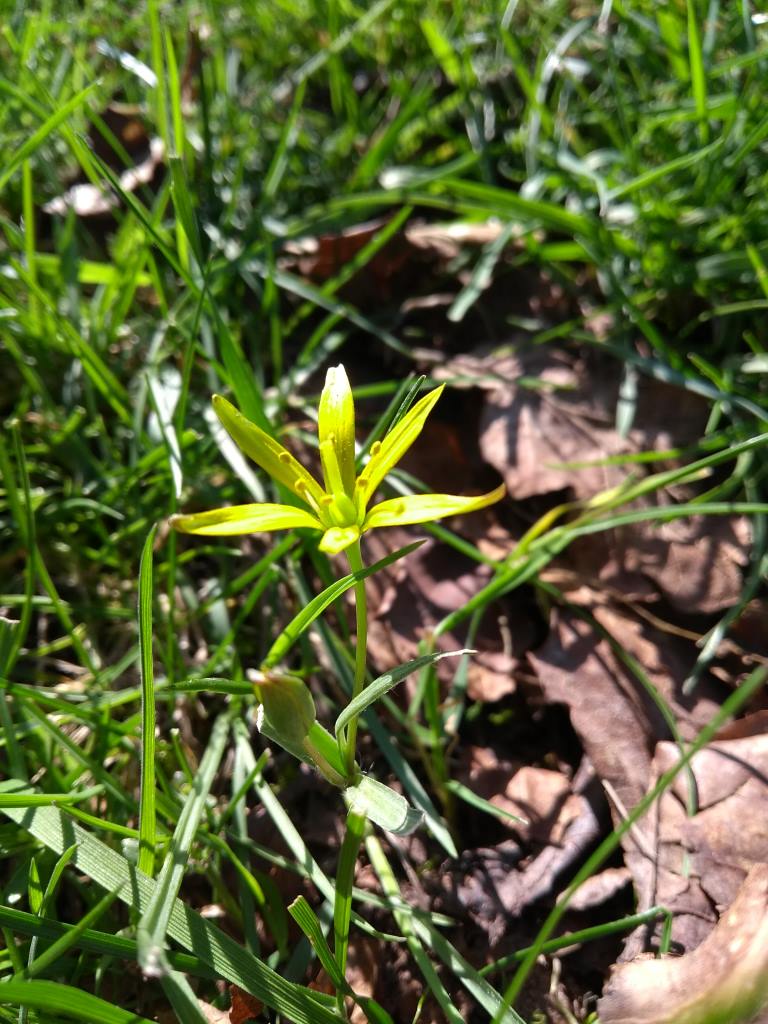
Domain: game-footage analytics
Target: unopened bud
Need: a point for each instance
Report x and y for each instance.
(288, 707)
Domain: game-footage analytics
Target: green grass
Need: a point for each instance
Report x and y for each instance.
(626, 161)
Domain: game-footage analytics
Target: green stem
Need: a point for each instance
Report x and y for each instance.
(345, 877)
(361, 616)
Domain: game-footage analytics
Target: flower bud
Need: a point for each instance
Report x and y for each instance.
(288, 707)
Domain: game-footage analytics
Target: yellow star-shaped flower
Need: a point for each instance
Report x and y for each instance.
(340, 508)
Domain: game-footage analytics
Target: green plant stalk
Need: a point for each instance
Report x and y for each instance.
(355, 560)
(345, 877)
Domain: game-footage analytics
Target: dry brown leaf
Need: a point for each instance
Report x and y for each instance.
(244, 1007)
(725, 979)
(494, 885)
(211, 1014)
(323, 256)
(540, 797)
(620, 726)
(600, 888)
(616, 719)
(362, 971)
(527, 433)
(732, 786)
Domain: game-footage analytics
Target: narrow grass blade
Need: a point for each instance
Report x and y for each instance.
(47, 799)
(469, 797)
(308, 921)
(697, 71)
(147, 824)
(69, 939)
(383, 684)
(183, 1000)
(345, 877)
(391, 889)
(317, 605)
(63, 1000)
(101, 943)
(37, 138)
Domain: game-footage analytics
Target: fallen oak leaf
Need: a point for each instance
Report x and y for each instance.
(724, 980)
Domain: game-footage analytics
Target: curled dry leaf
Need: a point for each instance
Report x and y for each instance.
(725, 979)
(600, 888)
(494, 885)
(541, 798)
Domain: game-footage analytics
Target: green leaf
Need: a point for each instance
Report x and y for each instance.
(388, 809)
(469, 797)
(383, 684)
(38, 137)
(442, 50)
(182, 202)
(308, 921)
(147, 823)
(102, 943)
(34, 887)
(65, 942)
(67, 1001)
(183, 1000)
(345, 878)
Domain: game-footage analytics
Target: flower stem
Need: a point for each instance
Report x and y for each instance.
(355, 559)
(345, 877)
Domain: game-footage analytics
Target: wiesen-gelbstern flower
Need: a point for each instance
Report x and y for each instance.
(339, 508)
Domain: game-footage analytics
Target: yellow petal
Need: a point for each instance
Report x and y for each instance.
(267, 452)
(225, 522)
(423, 508)
(395, 444)
(338, 538)
(336, 424)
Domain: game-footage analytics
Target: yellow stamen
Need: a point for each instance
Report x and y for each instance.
(304, 493)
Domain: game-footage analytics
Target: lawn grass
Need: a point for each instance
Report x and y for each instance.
(622, 149)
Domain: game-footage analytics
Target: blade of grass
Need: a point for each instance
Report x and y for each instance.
(63, 1000)
(147, 813)
(38, 137)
